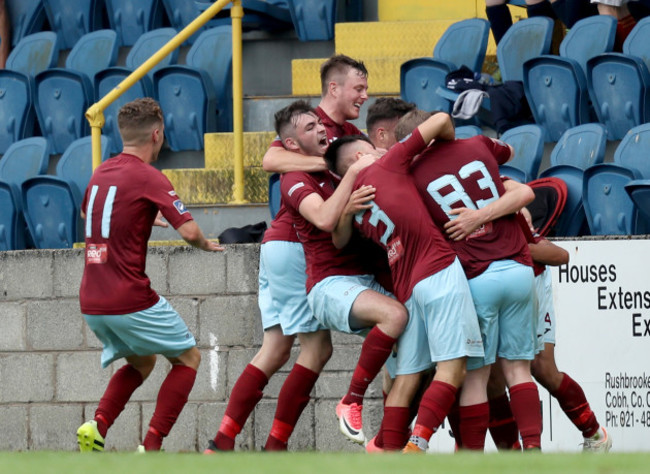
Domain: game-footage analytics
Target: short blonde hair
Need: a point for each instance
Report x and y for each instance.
(137, 118)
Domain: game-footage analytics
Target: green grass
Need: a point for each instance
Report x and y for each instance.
(327, 463)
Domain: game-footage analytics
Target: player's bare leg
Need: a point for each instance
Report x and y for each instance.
(397, 413)
(474, 412)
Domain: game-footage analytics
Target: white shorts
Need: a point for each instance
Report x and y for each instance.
(546, 311)
(331, 299)
(282, 297)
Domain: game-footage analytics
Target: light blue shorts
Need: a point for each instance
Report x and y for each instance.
(546, 311)
(441, 306)
(282, 296)
(155, 330)
(504, 299)
(331, 300)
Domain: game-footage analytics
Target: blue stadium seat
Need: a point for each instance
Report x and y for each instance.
(93, 52)
(556, 86)
(22, 160)
(619, 87)
(468, 131)
(131, 19)
(181, 13)
(463, 43)
(637, 42)
(26, 17)
(12, 222)
(572, 222)
(147, 45)
(212, 52)
(106, 81)
(76, 164)
(275, 196)
(62, 98)
(51, 212)
(524, 40)
(608, 207)
(313, 19)
(581, 146)
(268, 15)
(34, 53)
(71, 19)
(189, 102)
(16, 108)
(632, 151)
(639, 192)
(528, 142)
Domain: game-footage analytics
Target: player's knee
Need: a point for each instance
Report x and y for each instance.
(397, 318)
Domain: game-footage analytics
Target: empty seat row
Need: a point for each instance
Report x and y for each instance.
(40, 210)
(71, 19)
(598, 200)
(196, 97)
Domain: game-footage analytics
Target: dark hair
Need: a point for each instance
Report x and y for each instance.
(332, 153)
(287, 115)
(339, 64)
(386, 108)
(136, 119)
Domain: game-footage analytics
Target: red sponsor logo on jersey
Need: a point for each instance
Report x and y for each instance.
(483, 230)
(395, 250)
(96, 253)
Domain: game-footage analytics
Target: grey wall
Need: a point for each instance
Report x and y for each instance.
(51, 378)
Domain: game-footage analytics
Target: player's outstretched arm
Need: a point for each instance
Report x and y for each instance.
(325, 214)
(280, 160)
(548, 253)
(439, 126)
(359, 201)
(517, 195)
(191, 233)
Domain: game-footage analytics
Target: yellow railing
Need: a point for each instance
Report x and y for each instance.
(95, 114)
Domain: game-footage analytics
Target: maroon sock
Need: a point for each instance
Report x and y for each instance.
(435, 405)
(454, 423)
(245, 394)
(574, 403)
(374, 352)
(379, 439)
(172, 397)
(292, 400)
(526, 408)
(502, 425)
(120, 388)
(473, 425)
(395, 428)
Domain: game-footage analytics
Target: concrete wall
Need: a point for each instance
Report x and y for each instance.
(51, 378)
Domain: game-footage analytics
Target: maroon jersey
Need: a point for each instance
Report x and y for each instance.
(121, 203)
(399, 220)
(281, 227)
(323, 259)
(465, 173)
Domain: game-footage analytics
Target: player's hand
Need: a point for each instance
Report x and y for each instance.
(159, 220)
(360, 199)
(466, 222)
(364, 161)
(212, 246)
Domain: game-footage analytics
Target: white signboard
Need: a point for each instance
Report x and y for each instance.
(602, 304)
